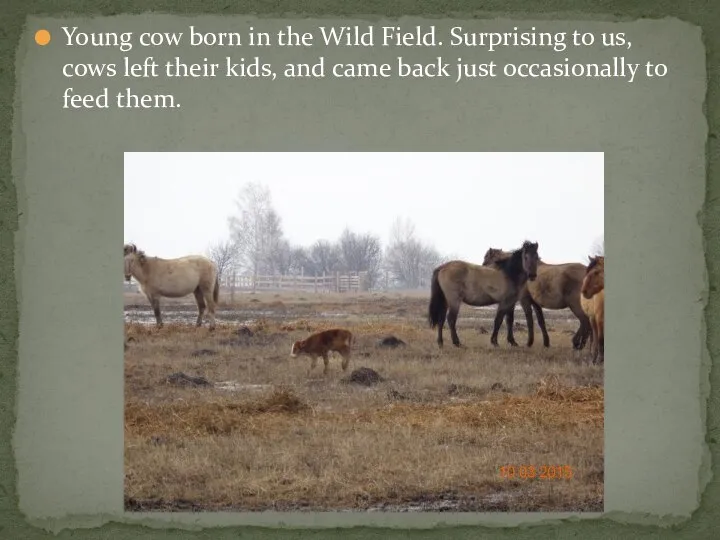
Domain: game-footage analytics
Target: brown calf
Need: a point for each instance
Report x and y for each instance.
(321, 344)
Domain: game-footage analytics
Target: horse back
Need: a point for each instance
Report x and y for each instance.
(474, 284)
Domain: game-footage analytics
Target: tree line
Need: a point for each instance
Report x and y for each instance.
(257, 246)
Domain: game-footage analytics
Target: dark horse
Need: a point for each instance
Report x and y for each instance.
(557, 287)
(458, 282)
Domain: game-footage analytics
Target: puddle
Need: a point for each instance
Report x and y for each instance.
(234, 386)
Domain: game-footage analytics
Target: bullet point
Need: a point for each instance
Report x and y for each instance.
(42, 37)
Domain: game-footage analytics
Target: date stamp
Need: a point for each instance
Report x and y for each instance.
(541, 472)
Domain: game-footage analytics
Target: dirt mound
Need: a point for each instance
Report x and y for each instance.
(244, 331)
(391, 342)
(364, 376)
(280, 400)
(203, 352)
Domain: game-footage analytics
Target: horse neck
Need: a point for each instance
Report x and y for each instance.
(594, 282)
(140, 271)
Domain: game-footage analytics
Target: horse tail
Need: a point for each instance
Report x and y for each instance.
(216, 290)
(438, 302)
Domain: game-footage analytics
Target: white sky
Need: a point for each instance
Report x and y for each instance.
(463, 203)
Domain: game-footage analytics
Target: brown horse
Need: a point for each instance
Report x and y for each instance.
(458, 282)
(557, 287)
(174, 278)
(592, 298)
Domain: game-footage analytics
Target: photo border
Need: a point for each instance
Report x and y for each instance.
(705, 15)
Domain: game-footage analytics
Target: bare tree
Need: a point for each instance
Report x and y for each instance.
(300, 263)
(224, 255)
(255, 229)
(409, 260)
(324, 258)
(361, 253)
(276, 255)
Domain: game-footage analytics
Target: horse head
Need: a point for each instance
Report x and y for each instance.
(594, 280)
(530, 259)
(132, 257)
(129, 260)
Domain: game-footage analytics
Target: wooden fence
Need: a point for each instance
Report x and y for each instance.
(338, 283)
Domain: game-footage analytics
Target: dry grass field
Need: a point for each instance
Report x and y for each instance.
(257, 432)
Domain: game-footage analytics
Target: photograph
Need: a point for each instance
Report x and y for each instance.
(354, 331)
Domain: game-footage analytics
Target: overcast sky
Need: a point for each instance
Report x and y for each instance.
(463, 203)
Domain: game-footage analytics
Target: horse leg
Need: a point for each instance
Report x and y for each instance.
(155, 302)
(496, 325)
(595, 340)
(541, 322)
(452, 320)
(440, 325)
(510, 321)
(200, 304)
(585, 331)
(211, 305)
(526, 305)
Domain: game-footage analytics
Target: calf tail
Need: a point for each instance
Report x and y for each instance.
(438, 302)
(216, 290)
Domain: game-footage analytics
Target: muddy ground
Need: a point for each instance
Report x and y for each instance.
(226, 420)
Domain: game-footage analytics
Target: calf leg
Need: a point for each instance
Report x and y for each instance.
(200, 304)
(313, 363)
(346, 357)
(326, 361)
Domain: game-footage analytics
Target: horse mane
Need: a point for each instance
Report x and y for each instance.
(132, 248)
(512, 265)
(510, 262)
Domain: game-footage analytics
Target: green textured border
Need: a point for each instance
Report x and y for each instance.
(705, 14)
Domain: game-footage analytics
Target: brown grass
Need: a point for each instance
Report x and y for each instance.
(431, 436)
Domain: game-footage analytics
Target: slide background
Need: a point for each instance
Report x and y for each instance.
(11, 519)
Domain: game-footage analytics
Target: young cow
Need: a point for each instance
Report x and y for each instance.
(321, 344)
